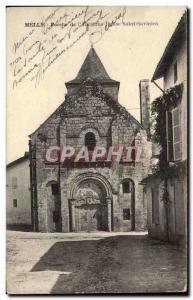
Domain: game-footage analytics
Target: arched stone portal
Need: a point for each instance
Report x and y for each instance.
(90, 203)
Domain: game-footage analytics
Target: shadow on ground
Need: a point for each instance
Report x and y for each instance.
(120, 264)
(65, 256)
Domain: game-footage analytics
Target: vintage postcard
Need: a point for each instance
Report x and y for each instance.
(96, 189)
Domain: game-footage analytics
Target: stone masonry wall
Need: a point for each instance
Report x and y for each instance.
(80, 113)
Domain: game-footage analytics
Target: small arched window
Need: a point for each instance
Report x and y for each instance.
(90, 140)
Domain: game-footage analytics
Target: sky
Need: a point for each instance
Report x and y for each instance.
(129, 52)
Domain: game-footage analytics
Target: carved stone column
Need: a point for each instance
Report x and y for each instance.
(72, 202)
(109, 213)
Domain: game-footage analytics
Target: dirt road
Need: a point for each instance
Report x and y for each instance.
(92, 263)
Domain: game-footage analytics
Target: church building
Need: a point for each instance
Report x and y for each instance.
(103, 194)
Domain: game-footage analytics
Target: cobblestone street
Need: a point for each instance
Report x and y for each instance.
(92, 263)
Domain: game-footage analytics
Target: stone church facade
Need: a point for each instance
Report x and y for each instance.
(75, 196)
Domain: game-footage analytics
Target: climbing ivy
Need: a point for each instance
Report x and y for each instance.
(160, 105)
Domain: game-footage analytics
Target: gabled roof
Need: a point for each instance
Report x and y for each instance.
(92, 70)
(20, 159)
(92, 67)
(115, 105)
(171, 48)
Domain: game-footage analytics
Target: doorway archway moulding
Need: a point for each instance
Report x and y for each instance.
(90, 176)
(103, 182)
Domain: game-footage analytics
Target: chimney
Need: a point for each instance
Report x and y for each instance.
(145, 104)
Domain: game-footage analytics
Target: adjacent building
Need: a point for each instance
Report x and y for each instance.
(167, 195)
(18, 194)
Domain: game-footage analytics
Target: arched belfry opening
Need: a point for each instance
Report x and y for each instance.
(90, 141)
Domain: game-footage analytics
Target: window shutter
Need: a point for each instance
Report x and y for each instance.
(176, 134)
(155, 205)
(157, 199)
(175, 72)
(169, 136)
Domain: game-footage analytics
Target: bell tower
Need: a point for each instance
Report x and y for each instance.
(93, 68)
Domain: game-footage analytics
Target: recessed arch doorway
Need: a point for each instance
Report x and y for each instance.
(91, 205)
